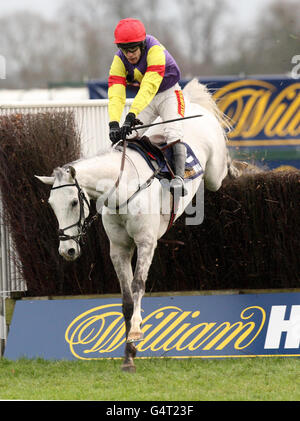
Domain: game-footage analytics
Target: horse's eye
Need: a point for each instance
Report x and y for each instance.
(74, 203)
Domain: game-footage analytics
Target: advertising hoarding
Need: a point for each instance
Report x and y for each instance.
(199, 326)
(264, 112)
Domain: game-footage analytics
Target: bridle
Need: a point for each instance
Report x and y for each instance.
(85, 225)
(81, 226)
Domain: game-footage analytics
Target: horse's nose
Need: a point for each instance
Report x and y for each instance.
(71, 252)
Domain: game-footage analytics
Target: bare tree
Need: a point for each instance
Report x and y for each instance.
(86, 36)
(28, 44)
(269, 48)
(199, 23)
(79, 43)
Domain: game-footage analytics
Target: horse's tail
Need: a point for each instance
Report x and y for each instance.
(198, 93)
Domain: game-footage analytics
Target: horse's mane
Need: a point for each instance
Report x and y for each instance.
(198, 93)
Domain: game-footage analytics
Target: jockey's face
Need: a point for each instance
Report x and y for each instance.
(133, 55)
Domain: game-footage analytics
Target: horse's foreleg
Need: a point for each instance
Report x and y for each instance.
(121, 258)
(145, 251)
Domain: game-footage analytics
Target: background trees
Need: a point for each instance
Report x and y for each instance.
(203, 37)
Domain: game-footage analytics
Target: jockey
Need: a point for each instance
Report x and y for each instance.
(143, 62)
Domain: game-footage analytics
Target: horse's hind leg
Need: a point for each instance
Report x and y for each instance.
(215, 171)
(145, 250)
(121, 257)
(233, 170)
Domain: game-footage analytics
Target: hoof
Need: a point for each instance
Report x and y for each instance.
(135, 337)
(129, 368)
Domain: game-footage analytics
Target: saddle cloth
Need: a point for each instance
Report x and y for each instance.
(158, 157)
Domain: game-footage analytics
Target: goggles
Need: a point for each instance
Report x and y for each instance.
(131, 47)
(129, 50)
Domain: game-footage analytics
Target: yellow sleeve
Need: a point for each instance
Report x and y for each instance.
(116, 89)
(156, 63)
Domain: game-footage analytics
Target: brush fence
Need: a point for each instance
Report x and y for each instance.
(91, 117)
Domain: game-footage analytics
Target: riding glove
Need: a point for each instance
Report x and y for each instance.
(129, 123)
(114, 132)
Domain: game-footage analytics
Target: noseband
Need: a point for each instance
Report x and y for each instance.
(82, 226)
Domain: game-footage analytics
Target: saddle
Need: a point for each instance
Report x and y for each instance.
(160, 158)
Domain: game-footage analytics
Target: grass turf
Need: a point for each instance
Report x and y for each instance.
(246, 379)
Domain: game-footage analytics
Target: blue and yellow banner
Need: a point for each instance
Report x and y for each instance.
(264, 112)
(212, 326)
(265, 119)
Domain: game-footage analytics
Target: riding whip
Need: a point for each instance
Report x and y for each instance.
(165, 122)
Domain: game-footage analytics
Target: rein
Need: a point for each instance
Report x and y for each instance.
(120, 175)
(151, 178)
(144, 186)
(85, 225)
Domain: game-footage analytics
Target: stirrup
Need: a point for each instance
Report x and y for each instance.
(177, 186)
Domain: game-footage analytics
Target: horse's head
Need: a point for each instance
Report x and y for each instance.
(70, 204)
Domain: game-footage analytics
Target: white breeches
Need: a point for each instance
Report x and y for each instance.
(168, 105)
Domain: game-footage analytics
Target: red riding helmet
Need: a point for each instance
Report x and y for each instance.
(129, 31)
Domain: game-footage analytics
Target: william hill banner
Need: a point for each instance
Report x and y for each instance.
(265, 115)
(213, 326)
(264, 112)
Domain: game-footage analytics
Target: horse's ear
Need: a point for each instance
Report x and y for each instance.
(46, 180)
(72, 171)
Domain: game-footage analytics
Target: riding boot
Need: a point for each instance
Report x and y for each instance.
(179, 156)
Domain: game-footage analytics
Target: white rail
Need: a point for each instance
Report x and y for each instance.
(91, 117)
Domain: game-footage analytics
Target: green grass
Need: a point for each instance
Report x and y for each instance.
(246, 379)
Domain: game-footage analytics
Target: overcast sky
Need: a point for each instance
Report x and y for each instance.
(47, 8)
(246, 10)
